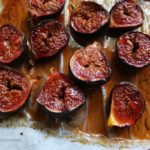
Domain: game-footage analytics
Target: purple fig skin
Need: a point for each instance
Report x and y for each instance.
(42, 8)
(89, 66)
(127, 105)
(15, 89)
(133, 49)
(48, 39)
(60, 95)
(12, 44)
(126, 15)
(88, 17)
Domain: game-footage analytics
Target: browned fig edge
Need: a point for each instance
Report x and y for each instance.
(89, 66)
(133, 49)
(15, 89)
(45, 8)
(126, 105)
(60, 96)
(87, 18)
(48, 38)
(13, 45)
(125, 15)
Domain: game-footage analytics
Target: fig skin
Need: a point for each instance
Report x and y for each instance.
(12, 44)
(126, 15)
(88, 17)
(89, 65)
(127, 105)
(15, 89)
(133, 49)
(43, 8)
(60, 96)
(48, 38)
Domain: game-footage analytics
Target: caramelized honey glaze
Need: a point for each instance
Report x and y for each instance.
(91, 118)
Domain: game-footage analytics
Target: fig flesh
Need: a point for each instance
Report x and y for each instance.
(48, 38)
(88, 17)
(127, 105)
(15, 88)
(59, 95)
(11, 44)
(133, 49)
(40, 8)
(90, 66)
(126, 14)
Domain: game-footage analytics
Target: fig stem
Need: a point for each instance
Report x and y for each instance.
(52, 70)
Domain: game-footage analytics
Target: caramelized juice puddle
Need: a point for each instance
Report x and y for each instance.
(91, 118)
(95, 121)
(142, 81)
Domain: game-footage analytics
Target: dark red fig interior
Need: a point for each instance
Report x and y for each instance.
(126, 14)
(11, 44)
(90, 65)
(14, 90)
(41, 8)
(48, 38)
(88, 17)
(133, 48)
(60, 95)
(127, 104)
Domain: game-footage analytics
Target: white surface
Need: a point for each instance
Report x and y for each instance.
(31, 139)
(10, 139)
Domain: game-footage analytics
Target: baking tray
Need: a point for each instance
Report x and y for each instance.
(87, 128)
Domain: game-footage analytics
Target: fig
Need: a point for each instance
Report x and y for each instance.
(127, 105)
(90, 66)
(133, 49)
(41, 8)
(11, 44)
(126, 14)
(15, 88)
(48, 38)
(88, 17)
(60, 95)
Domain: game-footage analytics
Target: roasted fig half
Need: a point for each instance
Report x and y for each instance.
(126, 14)
(40, 8)
(12, 43)
(127, 105)
(48, 38)
(90, 66)
(59, 95)
(133, 49)
(88, 17)
(15, 88)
